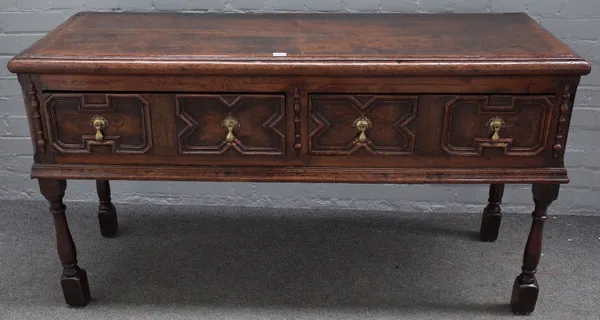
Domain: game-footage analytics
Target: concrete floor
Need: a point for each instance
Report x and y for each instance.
(250, 263)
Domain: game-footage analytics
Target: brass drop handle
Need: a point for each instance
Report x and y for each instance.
(99, 123)
(362, 124)
(230, 124)
(495, 124)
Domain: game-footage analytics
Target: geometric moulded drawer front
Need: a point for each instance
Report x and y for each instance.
(230, 124)
(350, 124)
(501, 124)
(86, 123)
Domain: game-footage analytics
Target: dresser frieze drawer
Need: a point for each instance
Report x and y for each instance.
(394, 130)
(194, 128)
(85, 123)
(497, 125)
(367, 126)
(231, 124)
(344, 124)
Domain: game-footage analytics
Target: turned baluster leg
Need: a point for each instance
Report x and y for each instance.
(107, 214)
(492, 215)
(74, 279)
(525, 289)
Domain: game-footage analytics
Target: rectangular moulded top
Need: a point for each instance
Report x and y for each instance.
(299, 44)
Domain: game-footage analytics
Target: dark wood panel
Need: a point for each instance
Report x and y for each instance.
(231, 124)
(294, 174)
(442, 128)
(164, 127)
(337, 121)
(351, 85)
(363, 160)
(191, 125)
(524, 129)
(126, 124)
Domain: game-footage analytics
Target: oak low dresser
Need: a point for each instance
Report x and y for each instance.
(349, 98)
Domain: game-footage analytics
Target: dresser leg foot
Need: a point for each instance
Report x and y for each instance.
(74, 280)
(76, 288)
(492, 214)
(524, 296)
(107, 214)
(526, 289)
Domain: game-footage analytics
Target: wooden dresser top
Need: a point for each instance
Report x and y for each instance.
(313, 43)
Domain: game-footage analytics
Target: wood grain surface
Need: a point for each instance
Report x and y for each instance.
(312, 43)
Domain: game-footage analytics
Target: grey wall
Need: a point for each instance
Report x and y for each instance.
(576, 22)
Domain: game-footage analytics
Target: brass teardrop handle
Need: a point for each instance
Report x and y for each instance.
(99, 123)
(362, 124)
(230, 124)
(495, 124)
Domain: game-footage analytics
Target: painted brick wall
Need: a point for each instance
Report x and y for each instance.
(576, 22)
